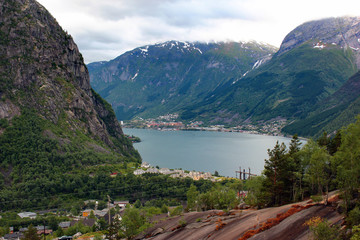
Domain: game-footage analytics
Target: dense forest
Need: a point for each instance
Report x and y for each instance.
(311, 170)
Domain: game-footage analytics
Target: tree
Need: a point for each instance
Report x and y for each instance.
(277, 171)
(294, 145)
(133, 222)
(254, 196)
(318, 170)
(59, 232)
(324, 140)
(347, 161)
(164, 208)
(3, 231)
(112, 232)
(297, 168)
(31, 234)
(92, 215)
(191, 195)
(334, 143)
(138, 204)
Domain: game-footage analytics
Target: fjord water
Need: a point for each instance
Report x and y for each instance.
(204, 151)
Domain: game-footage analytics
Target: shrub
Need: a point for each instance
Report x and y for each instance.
(322, 229)
(354, 216)
(177, 211)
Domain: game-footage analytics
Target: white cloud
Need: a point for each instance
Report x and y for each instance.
(105, 29)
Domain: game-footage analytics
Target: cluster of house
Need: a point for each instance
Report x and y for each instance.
(177, 173)
(84, 219)
(41, 230)
(105, 211)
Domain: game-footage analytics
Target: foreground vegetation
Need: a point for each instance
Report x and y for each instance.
(313, 170)
(38, 174)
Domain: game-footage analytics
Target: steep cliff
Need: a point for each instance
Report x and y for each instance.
(42, 69)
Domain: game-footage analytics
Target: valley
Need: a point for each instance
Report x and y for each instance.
(237, 84)
(68, 171)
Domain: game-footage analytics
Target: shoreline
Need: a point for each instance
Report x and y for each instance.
(210, 129)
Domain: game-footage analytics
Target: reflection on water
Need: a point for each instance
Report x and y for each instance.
(204, 151)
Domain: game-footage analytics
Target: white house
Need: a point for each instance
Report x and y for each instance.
(31, 215)
(152, 170)
(121, 204)
(139, 172)
(145, 165)
(165, 171)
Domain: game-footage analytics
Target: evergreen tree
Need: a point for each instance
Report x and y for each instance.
(278, 175)
(334, 143)
(297, 168)
(294, 145)
(192, 194)
(347, 161)
(31, 234)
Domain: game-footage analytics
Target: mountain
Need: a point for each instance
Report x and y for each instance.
(313, 62)
(332, 113)
(51, 121)
(238, 83)
(164, 78)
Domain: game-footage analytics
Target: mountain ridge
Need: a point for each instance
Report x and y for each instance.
(313, 62)
(163, 73)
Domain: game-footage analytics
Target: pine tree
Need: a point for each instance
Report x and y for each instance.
(278, 175)
(192, 194)
(31, 234)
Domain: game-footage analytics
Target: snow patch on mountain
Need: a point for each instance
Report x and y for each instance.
(319, 45)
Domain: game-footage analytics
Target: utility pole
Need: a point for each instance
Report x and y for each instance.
(236, 172)
(109, 208)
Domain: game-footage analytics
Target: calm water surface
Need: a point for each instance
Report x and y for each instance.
(204, 151)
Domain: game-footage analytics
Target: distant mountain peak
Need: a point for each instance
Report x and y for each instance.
(342, 31)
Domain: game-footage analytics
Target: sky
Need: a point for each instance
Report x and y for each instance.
(105, 29)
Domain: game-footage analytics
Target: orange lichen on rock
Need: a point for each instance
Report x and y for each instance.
(273, 221)
(219, 224)
(333, 199)
(220, 213)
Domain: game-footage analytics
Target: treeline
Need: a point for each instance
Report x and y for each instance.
(38, 172)
(291, 174)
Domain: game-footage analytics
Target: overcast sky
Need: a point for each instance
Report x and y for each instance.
(104, 29)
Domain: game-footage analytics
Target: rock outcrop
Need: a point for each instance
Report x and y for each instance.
(42, 69)
(342, 31)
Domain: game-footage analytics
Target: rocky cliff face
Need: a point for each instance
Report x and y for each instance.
(41, 68)
(343, 31)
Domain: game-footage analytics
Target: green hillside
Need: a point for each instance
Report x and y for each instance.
(332, 113)
(286, 87)
(52, 123)
(164, 78)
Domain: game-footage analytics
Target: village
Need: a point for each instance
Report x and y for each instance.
(177, 173)
(92, 217)
(169, 122)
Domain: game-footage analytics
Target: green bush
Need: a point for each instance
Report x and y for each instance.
(354, 216)
(177, 211)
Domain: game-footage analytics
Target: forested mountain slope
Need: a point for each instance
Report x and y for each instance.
(236, 83)
(165, 78)
(52, 122)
